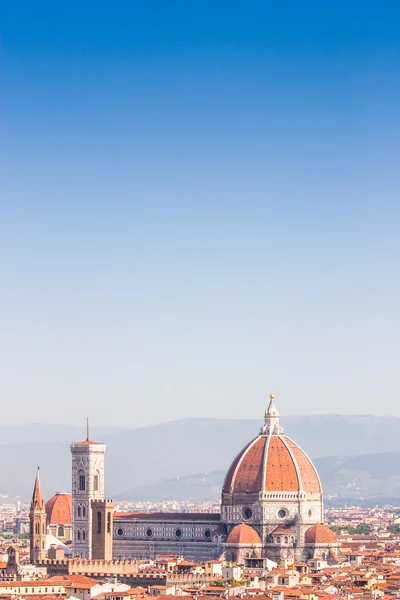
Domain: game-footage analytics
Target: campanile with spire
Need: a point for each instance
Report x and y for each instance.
(37, 520)
(87, 485)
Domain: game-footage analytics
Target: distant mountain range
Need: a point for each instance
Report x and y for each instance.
(155, 462)
(365, 479)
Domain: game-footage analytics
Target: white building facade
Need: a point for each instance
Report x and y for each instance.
(87, 485)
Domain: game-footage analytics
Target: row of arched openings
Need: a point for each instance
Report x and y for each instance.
(81, 535)
(82, 481)
(81, 511)
(37, 529)
(99, 522)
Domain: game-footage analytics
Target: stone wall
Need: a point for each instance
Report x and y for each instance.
(92, 568)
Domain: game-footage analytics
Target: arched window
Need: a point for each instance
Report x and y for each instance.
(81, 481)
(96, 482)
(108, 522)
(78, 511)
(84, 535)
(286, 539)
(37, 528)
(60, 531)
(83, 511)
(78, 535)
(98, 522)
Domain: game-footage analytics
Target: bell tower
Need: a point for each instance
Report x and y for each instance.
(87, 485)
(102, 529)
(37, 520)
(12, 562)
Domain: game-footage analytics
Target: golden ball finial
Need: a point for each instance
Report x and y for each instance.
(271, 396)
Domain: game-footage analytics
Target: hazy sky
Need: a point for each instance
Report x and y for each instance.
(199, 205)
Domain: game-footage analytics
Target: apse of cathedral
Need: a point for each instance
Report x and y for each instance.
(271, 509)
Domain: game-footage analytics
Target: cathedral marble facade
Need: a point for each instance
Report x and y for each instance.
(271, 508)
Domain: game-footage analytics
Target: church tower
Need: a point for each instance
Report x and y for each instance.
(37, 520)
(13, 564)
(102, 529)
(87, 485)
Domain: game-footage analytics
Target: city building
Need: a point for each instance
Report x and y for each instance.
(271, 510)
(37, 522)
(41, 540)
(87, 485)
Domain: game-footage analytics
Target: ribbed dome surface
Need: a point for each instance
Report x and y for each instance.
(243, 534)
(271, 463)
(59, 509)
(320, 534)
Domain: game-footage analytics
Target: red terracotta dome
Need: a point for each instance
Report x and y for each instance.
(320, 534)
(271, 462)
(59, 509)
(282, 531)
(243, 534)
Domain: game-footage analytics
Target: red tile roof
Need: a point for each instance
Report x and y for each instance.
(166, 516)
(283, 531)
(249, 475)
(87, 443)
(59, 509)
(319, 534)
(281, 473)
(308, 474)
(243, 534)
(274, 464)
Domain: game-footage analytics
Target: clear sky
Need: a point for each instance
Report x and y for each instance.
(199, 206)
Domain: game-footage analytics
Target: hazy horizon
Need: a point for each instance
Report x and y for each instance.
(116, 426)
(199, 206)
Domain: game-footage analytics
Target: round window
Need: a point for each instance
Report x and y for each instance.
(207, 533)
(282, 513)
(120, 531)
(247, 513)
(149, 532)
(178, 533)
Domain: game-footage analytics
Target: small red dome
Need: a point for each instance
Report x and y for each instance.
(320, 534)
(283, 531)
(59, 509)
(243, 534)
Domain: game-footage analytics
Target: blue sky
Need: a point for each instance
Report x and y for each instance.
(199, 206)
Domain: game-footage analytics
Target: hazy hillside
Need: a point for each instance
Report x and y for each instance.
(137, 457)
(373, 476)
(37, 432)
(367, 476)
(194, 488)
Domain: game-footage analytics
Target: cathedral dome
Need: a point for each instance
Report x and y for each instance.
(243, 534)
(320, 534)
(59, 509)
(271, 462)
